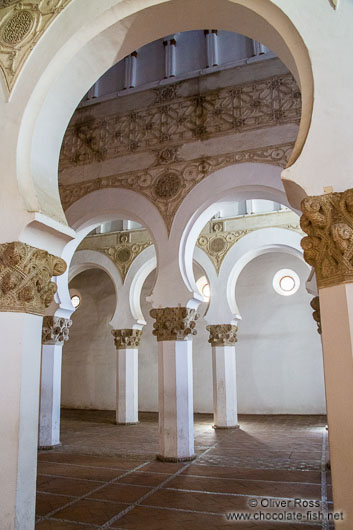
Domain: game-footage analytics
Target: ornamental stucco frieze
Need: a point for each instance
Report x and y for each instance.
(222, 334)
(166, 185)
(25, 278)
(175, 120)
(328, 247)
(22, 24)
(126, 338)
(174, 323)
(55, 330)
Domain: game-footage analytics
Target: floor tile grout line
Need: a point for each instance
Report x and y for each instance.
(324, 505)
(71, 478)
(79, 465)
(231, 494)
(154, 490)
(108, 483)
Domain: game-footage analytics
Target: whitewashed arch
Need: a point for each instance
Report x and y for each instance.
(233, 183)
(91, 211)
(251, 246)
(223, 307)
(88, 38)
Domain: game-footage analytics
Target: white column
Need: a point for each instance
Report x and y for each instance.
(130, 70)
(222, 338)
(211, 47)
(169, 58)
(175, 395)
(336, 309)
(224, 387)
(55, 333)
(173, 329)
(258, 48)
(50, 396)
(127, 385)
(19, 399)
(127, 342)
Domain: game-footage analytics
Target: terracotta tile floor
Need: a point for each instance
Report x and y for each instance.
(105, 476)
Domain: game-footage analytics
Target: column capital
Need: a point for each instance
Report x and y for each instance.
(315, 304)
(222, 334)
(328, 221)
(25, 278)
(174, 323)
(55, 330)
(126, 338)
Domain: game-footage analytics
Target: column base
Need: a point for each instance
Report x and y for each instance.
(226, 427)
(162, 458)
(127, 422)
(48, 447)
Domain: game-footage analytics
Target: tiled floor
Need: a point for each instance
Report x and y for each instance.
(106, 477)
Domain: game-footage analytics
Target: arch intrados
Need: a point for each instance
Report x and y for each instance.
(238, 182)
(105, 37)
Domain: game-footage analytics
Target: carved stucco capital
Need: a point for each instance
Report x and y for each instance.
(55, 330)
(174, 323)
(328, 221)
(25, 278)
(126, 338)
(315, 304)
(222, 334)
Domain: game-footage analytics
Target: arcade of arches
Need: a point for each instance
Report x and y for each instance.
(176, 270)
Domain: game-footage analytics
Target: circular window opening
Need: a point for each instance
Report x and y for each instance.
(75, 300)
(286, 282)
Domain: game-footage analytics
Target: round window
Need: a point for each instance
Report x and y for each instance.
(286, 282)
(75, 300)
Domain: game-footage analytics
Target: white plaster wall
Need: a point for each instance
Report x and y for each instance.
(88, 372)
(279, 362)
(279, 357)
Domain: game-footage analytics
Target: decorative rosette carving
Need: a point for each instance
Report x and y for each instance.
(25, 278)
(315, 304)
(328, 221)
(174, 323)
(55, 330)
(126, 338)
(222, 334)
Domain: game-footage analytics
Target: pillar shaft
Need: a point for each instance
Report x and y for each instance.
(19, 398)
(175, 395)
(328, 222)
(127, 385)
(127, 342)
(173, 328)
(224, 387)
(336, 307)
(50, 396)
(223, 338)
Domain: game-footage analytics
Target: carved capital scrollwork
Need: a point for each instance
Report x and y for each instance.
(126, 338)
(174, 323)
(328, 221)
(222, 334)
(315, 304)
(55, 330)
(25, 278)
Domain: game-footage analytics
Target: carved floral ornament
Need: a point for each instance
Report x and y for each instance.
(222, 334)
(22, 24)
(328, 221)
(122, 254)
(126, 338)
(315, 304)
(174, 323)
(217, 244)
(166, 186)
(25, 278)
(55, 330)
